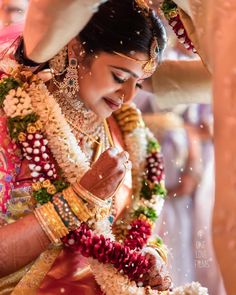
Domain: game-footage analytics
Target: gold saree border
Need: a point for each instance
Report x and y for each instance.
(33, 278)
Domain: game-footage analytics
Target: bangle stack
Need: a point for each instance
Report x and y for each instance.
(68, 210)
(101, 208)
(78, 207)
(51, 222)
(88, 197)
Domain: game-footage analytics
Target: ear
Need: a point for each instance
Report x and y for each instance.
(76, 50)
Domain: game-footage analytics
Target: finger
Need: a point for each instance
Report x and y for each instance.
(162, 285)
(108, 186)
(108, 165)
(96, 172)
(123, 156)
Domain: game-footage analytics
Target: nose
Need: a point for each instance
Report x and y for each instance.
(128, 90)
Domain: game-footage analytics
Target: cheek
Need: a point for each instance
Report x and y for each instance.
(102, 83)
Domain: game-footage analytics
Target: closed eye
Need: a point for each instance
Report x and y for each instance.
(118, 79)
(122, 81)
(139, 86)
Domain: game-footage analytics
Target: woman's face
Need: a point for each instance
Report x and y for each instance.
(110, 80)
(12, 11)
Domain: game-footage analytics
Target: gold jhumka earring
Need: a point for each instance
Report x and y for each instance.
(69, 86)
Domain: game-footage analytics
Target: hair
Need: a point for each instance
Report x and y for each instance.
(122, 26)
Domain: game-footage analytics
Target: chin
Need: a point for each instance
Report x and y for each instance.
(102, 112)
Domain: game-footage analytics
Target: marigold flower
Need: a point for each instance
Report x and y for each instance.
(38, 125)
(46, 183)
(31, 129)
(52, 189)
(22, 136)
(36, 186)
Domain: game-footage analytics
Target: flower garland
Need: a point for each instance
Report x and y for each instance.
(171, 13)
(148, 175)
(29, 106)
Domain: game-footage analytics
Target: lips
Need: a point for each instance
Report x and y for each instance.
(114, 105)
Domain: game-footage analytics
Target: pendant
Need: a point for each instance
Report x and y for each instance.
(97, 151)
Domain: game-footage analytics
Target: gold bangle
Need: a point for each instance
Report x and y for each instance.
(77, 206)
(88, 197)
(55, 220)
(45, 228)
(162, 252)
(51, 221)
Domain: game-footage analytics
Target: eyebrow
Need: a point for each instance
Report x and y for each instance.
(125, 70)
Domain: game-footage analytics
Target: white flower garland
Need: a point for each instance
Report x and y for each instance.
(190, 289)
(137, 145)
(17, 103)
(74, 164)
(61, 140)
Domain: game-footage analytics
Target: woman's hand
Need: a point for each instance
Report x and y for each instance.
(158, 277)
(107, 173)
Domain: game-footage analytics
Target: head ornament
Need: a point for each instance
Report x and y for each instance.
(149, 66)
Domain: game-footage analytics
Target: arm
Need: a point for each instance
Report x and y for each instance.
(20, 243)
(181, 82)
(23, 241)
(48, 20)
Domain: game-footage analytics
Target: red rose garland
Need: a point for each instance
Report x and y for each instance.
(129, 262)
(28, 133)
(171, 12)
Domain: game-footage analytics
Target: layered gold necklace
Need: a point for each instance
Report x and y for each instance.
(92, 133)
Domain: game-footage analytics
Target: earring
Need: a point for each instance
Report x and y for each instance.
(58, 63)
(70, 85)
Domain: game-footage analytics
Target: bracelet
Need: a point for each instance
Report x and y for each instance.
(77, 206)
(51, 222)
(46, 229)
(88, 197)
(162, 252)
(64, 211)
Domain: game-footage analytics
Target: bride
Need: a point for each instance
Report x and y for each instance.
(74, 217)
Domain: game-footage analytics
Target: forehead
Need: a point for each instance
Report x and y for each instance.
(126, 63)
(21, 4)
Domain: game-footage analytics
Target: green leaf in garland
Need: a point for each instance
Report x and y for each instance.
(146, 191)
(19, 124)
(60, 185)
(150, 213)
(159, 190)
(158, 241)
(5, 86)
(153, 145)
(42, 196)
(167, 6)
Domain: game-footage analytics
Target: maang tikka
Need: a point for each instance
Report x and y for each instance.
(69, 87)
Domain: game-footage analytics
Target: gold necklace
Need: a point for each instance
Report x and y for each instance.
(101, 144)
